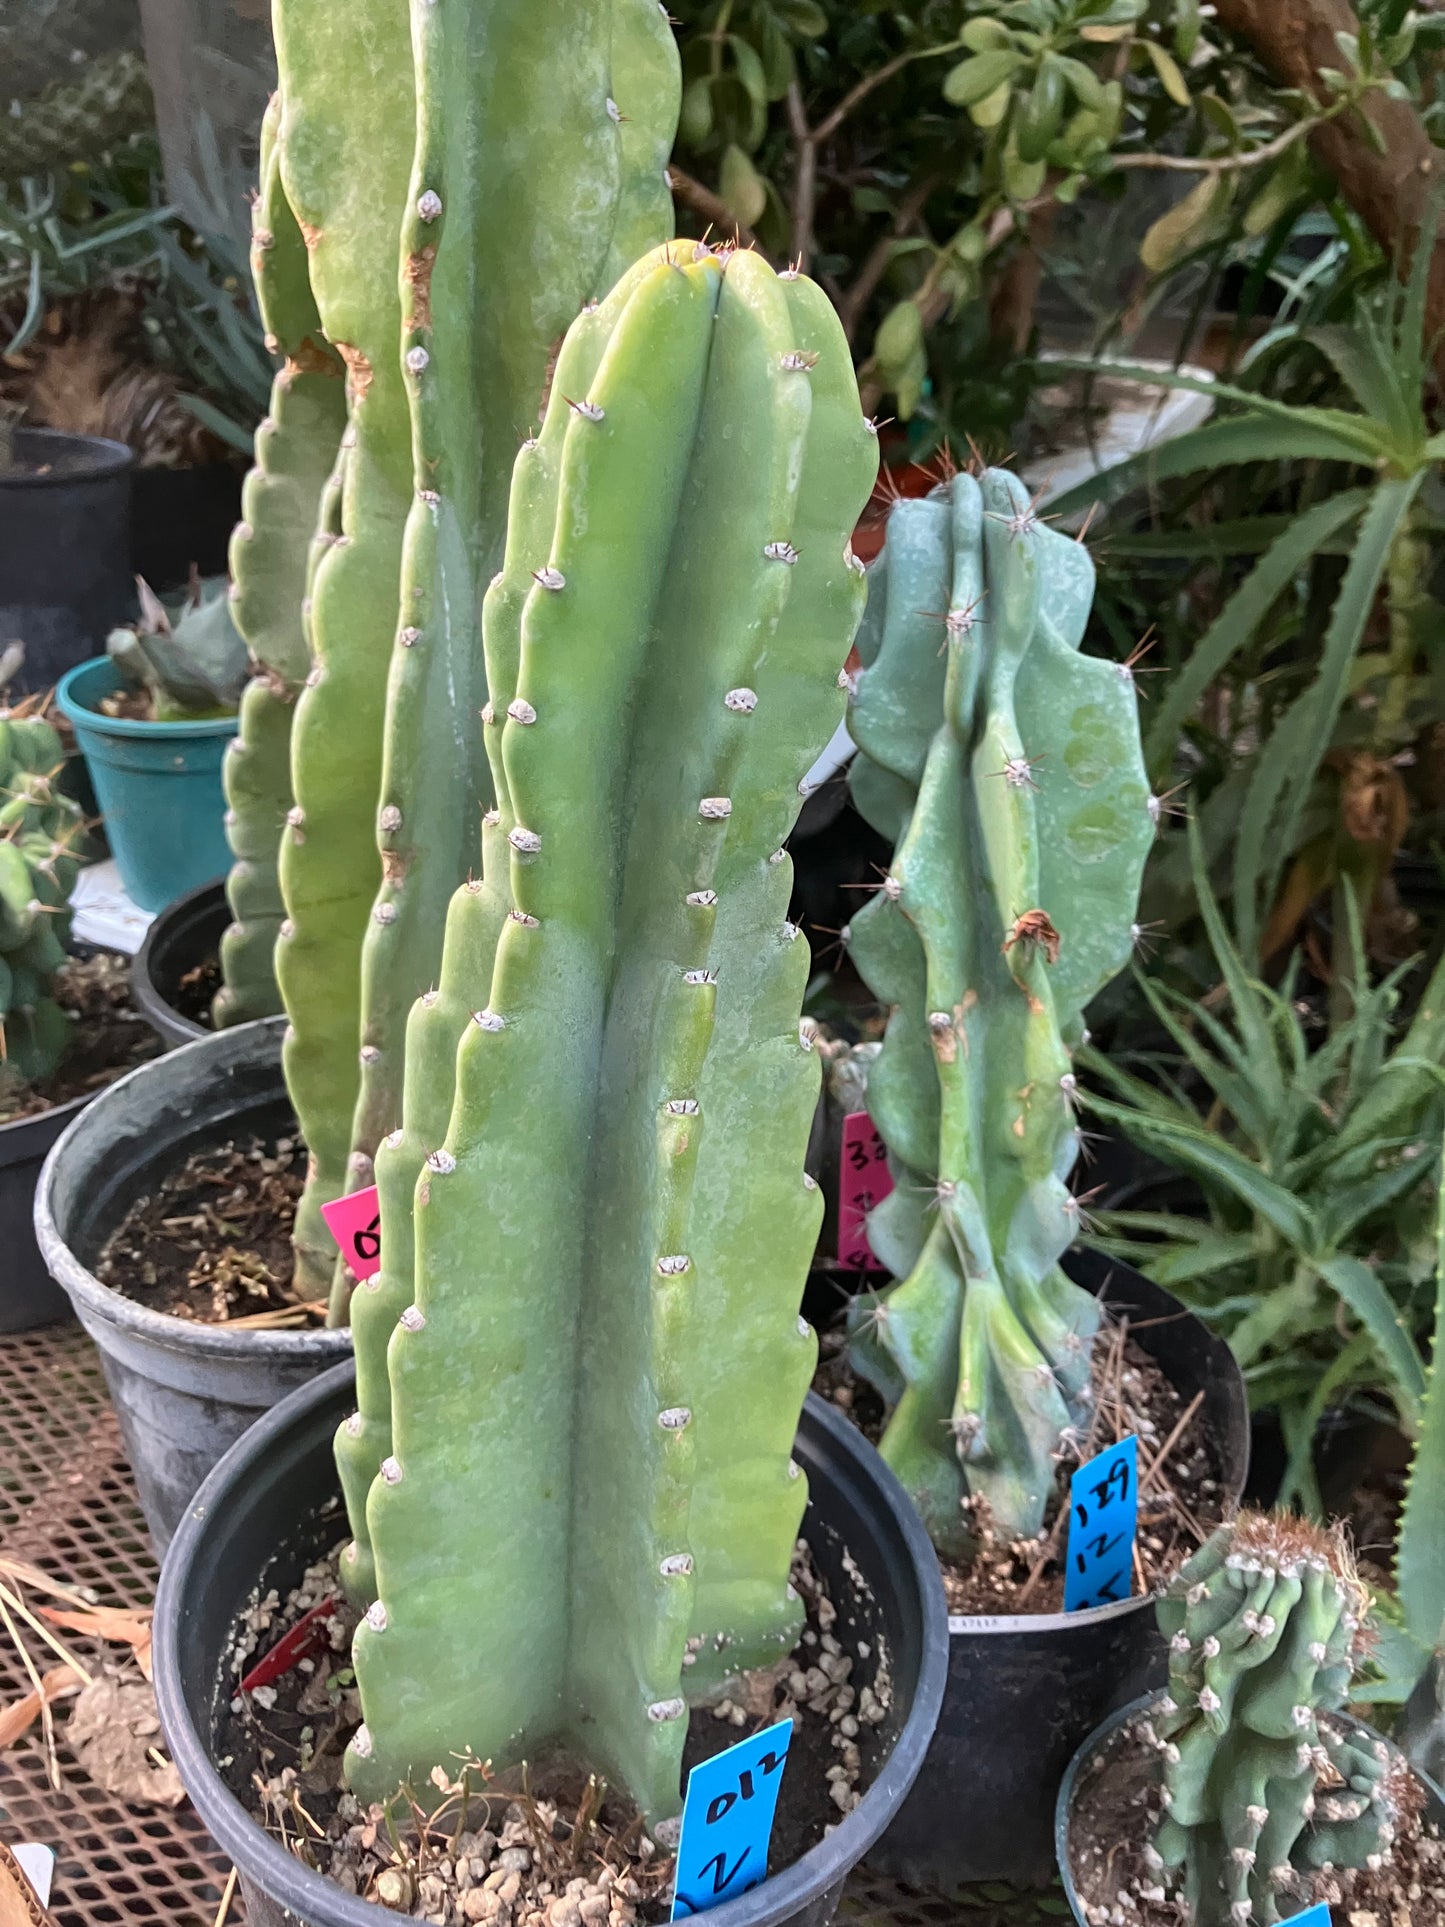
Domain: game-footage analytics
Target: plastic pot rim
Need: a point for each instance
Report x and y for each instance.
(145, 992)
(1105, 1731)
(77, 712)
(779, 1897)
(112, 458)
(84, 1289)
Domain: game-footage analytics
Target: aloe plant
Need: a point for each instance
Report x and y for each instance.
(1381, 357)
(1315, 1164)
(588, 1302)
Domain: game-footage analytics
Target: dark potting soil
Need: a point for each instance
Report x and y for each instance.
(195, 990)
(1181, 1495)
(212, 1241)
(1117, 1807)
(108, 1037)
(130, 702)
(547, 1845)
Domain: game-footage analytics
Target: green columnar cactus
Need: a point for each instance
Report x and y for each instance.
(507, 233)
(38, 829)
(1006, 767)
(345, 143)
(1264, 1631)
(452, 239)
(612, 1238)
(296, 448)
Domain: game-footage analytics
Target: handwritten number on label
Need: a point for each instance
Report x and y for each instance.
(1104, 1506)
(864, 1181)
(727, 1820)
(355, 1223)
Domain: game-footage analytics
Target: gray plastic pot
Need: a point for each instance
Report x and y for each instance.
(257, 1520)
(183, 1391)
(1023, 1690)
(1078, 1766)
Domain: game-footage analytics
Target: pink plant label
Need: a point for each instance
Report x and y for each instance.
(864, 1181)
(355, 1223)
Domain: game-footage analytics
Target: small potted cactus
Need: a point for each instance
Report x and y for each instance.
(595, 1221)
(1245, 1793)
(53, 1055)
(421, 242)
(1004, 765)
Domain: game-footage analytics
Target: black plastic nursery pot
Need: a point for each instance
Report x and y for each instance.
(183, 1391)
(265, 1495)
(29, 1296)
(65, 576)
(187, 933)
(1024, 1690)
(1434, 1809)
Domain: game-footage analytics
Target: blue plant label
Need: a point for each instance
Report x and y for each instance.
(1318, 1916)
(1103, 1518)
(727, 1821)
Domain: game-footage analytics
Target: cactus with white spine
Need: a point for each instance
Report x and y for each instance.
(39, 827)
(611, 1240)
(296, 448)
(1264, 1631)
(1006, 767)
(451, 237)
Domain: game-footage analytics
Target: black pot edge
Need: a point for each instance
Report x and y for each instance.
(119, 456)
(1110, 1726)
(824, 1866)
(161, 1015)
(85, 1291)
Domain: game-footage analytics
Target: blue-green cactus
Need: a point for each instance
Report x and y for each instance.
(1006, 767)
(588, 1501)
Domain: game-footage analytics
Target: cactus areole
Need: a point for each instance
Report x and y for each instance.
(1006, 768)
(580, 1367)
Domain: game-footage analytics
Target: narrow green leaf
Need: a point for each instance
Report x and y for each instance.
(1233, 628)
(1381, 523)
(1221, 444)
(1246, 1002)
(1420, 1546)
(1193, 1149)
(1366, 1297)
(1356, 435)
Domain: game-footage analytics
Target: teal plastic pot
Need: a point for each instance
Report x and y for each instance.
(158, 786)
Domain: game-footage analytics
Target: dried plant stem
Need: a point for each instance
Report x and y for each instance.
(47, 1722)
(57, 1646)
(227, 1895)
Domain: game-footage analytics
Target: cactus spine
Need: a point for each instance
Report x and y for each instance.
(38, 865)
(1263, 1626)
(611, 1241)
(452, 239)
(1007, 768)
(296, 448)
